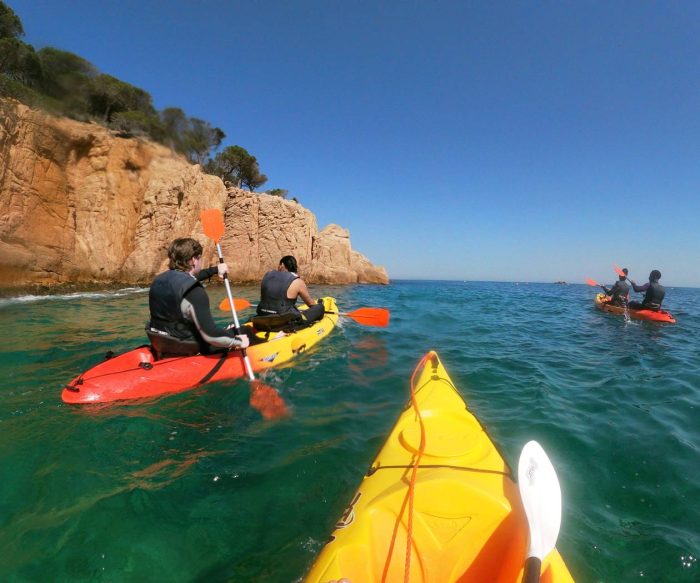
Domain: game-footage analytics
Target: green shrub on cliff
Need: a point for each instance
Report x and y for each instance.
(237, 167)
(10, 24)
(67, 78)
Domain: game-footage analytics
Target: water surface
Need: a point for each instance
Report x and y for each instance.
(197, 487)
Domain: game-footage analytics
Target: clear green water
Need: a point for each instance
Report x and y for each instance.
(197, 487)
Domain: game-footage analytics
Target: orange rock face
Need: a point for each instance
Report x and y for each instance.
(80, 205)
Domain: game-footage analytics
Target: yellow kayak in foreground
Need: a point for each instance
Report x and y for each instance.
(467, 522)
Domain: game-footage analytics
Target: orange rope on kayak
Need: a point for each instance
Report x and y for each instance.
(411, 484)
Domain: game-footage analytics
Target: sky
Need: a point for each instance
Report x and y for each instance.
(500, 141)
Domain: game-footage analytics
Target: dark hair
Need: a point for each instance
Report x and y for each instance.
(181, 251)
(655, 275)
(290, 264)
(625, 270)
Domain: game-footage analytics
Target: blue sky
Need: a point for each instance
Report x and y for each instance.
(514, 141)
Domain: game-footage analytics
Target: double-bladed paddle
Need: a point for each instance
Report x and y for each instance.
(365, 316)
(262, 397)
(541, 497)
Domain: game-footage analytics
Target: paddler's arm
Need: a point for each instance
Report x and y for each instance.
(220, 268)
(195, 307)
(298, 289)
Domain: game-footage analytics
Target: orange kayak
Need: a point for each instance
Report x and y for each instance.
(602, 302)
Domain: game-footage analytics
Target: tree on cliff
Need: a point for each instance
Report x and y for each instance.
(193, 137)
(10, 24)
(200, 139)
(109, 95)
(67, 77)
(18, 60)
(281, 192)
(235, 165)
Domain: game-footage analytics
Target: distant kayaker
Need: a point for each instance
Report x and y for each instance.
(619, 292)
(179, 304)
(654, 295)
(280, 289)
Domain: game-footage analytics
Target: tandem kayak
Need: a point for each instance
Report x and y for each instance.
(468, 523)
(602, 303)
(137, 374)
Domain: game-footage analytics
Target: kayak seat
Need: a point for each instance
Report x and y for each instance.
(277, 323)
(164, 345)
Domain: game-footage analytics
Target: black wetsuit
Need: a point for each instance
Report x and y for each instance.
(653, 297)
(179, 306)
(274, 300)
(619, 292)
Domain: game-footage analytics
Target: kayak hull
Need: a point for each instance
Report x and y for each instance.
(136, 374)
(602, 303)
(468, 522)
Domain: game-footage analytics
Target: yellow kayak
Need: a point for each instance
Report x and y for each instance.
(465, 519)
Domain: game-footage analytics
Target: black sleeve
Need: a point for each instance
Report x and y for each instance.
(207, 273)
(199, 299)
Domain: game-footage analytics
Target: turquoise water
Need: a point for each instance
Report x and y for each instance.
(197, 487)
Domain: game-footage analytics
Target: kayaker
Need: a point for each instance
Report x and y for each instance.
(179, 304)
(654, 295)
(619, 292)
(280, 289)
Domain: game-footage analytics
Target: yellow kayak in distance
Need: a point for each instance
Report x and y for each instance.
(467, 522)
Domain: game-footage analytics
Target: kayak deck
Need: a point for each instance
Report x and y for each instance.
(602, 303)
(137, 374)
(468, 523)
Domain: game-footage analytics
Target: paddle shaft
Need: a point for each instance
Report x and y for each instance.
(532, 570)
(236, 329)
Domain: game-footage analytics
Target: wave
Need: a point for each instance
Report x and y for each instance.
(71, 296)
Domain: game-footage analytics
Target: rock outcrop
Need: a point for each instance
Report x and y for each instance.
(78, 204)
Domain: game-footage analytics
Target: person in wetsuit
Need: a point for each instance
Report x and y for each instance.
(619, 292)
(179, 304)
(280, 289)
(654, 295)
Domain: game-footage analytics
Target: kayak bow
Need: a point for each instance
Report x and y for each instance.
(468, 523)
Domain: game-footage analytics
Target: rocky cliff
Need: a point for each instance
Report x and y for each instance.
(78, 204)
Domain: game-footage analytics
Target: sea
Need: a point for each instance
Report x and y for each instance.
(197, 486)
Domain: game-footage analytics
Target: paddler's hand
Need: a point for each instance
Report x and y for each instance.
(244, 340)
(223, 270)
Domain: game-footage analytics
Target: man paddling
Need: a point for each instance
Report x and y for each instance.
(179, 304)
(280, 289)
(654, 295)
(620, 292)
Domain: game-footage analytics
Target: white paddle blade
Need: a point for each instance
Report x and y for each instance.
(541, 496)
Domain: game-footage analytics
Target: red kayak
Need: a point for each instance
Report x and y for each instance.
(602, 302)
(138, 373)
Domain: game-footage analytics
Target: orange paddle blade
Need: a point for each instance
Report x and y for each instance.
(619, 271)
(267, 400)
(589, 281)
(238, 303)
(370, 316)
(213, 223)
